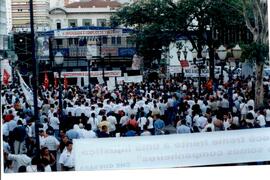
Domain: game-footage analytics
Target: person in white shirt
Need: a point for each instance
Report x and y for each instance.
(94, 121)
(243, 109)
(145, 132)
(54, 123)
(112, 120)
(201, 122)
(267, 117)
(51, 143)
(67, 159)
(89, 133)
(183, 128)
(124, 119)
(18, 160)
(261, 119)
(142, 121)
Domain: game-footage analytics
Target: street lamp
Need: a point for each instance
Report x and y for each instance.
(179, 56)
(103, 65)
(89, 59)
(222, 54)
(59, 59)
(237, 52)
(199, 62)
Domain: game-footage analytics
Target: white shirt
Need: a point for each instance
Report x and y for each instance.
(94, 122)
(67, 159)
(201, 122)
(112, 120)
(78, 111)
(11, 125)
(19, 160)
(33, 168)
(89, 134)
(5, 129)
(151, 123)
(141, 122)
(267, 116)
(54, 122)
(261, 120)
(123, 120)
(51, 143)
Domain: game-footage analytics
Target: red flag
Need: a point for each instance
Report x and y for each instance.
(65, 82)
(184, 63)
(6, 77)
(55, 83)
(46, 81)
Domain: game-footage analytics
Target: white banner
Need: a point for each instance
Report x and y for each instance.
(76, 74)
(87, 32)
(194, 72)
(174, 69)
(133, 79)
(167, 151)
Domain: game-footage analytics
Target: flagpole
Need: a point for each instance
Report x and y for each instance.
(34, 63)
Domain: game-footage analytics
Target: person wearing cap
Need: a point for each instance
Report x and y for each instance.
(67, 160)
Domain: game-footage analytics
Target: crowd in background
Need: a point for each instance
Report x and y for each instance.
(160, 107)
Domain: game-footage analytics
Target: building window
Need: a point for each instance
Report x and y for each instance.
(72, 22)
(101, 22)
(104, 40)
(58, 25)
(118, 40)
(113, 40)
(59, 42)
(87, 22)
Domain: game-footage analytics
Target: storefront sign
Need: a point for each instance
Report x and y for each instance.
(85, 74)
(88, 32)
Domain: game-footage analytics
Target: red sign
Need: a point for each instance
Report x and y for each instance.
(184, 63)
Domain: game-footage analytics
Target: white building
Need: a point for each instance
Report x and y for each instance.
(64, 14)
(3, 25)
(21, 15)
(9, 16)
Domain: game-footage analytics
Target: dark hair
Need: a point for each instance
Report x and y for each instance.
(68, 143)
(22, 169)
(43, 150)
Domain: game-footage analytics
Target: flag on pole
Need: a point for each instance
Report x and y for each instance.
(65, 82)
(28, 93)
(26, 90)
(6, 77)
(46, 81)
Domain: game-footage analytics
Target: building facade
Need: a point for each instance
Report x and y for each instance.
(64, 14)
(3, 25)
(21, 15)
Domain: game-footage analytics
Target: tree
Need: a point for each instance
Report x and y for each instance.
(158, 22)
(256, 18)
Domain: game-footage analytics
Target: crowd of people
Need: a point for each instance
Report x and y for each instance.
(161, 107)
